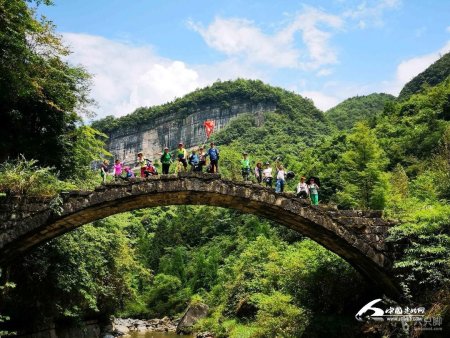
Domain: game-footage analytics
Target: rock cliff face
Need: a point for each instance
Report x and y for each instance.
(153, 135)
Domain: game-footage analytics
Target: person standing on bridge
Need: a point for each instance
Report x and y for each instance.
(313, 192)
(202, 158)
(259, 172)
(267, 175)
(245, 166)
(281, 173)
(118, 166)
(142, 163)
(166, 160)
(182, 155)
(104, 171)
(214, 156)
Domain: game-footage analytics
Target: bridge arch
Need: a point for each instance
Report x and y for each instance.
(355, 236)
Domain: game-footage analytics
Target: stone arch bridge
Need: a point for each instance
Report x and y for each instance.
(356, 236)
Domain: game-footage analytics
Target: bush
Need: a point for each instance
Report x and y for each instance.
(278, 317)
(22, 177)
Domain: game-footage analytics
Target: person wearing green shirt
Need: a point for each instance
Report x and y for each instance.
(166, 160)
(245, 166)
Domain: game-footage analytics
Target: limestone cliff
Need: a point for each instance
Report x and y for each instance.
(152, 135)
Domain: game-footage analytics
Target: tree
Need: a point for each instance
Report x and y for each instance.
(41, 95)
(364, 182)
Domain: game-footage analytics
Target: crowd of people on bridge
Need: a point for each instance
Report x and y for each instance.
(197, 160)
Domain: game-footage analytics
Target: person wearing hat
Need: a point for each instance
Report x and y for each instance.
(267, 175)
(214, 156)
(142, 163)
(302, 188)
(245, 166)
(166, 160)
(182, 155)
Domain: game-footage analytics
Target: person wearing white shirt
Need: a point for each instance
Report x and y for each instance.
(302, 188)
(267, 175)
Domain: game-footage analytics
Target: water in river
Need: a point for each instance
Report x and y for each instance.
(159, 335)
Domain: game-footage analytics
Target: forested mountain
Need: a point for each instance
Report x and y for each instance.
(151, 129)
(358, 108)
(432, 76)
(220, 94)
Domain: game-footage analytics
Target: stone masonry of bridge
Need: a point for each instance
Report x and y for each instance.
(356, 236)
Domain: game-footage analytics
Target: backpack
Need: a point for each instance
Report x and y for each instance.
(290, 175)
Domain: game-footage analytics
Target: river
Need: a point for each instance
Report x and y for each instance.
(159, 335)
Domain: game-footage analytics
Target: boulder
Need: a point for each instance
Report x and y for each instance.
(141, 328)
(121, 329)
(193, 313)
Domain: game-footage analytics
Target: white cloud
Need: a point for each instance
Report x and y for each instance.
(241, 38)
(127, 77)
(236, 37)
(409, 68)
(370, 13)
(324, 72)
(321, 100)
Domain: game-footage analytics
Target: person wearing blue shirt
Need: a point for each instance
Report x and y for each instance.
(213, 154)
(194, 161)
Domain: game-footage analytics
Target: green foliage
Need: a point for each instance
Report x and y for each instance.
(166, 297)
(90, 271)
(22, 177)
(411, 130)
(41, 94)
(364, 182)
(278, 317)
(88, 146)
(356, 109)
(424, 244)
(432, 76)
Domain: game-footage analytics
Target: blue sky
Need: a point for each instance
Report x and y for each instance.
(147, 52)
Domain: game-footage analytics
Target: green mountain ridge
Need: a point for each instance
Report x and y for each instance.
(220, 94)
(358, 108)
(433, 75)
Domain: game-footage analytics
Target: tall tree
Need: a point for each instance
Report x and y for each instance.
(41, 95)
(364, 182)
